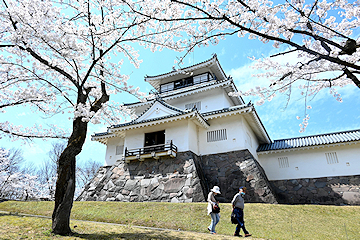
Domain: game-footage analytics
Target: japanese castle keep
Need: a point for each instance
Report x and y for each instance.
(193, 135)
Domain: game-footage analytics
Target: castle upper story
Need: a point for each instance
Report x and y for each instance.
(204, 86)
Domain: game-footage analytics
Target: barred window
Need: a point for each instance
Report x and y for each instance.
(167, 87)
(201, 78)
(119, 150)
(191, 105)
(217, 135)
(331, 158)
(283, 162)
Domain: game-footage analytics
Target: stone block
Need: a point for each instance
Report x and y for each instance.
(296, 188)
(156, 194)
(109, 185)
(125, 192)
(120, 182)
(188, 182)
(260, 191)
(145, 183)
(189, 169)
(172, 195)
(130, 184)
(188, 163)
(119, 197)
(294, 182)
(351, 198)
(175, 200)
(133, 198)
(320, 184)
(174, 185)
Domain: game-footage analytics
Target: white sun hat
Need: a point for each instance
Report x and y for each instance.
(216, 189)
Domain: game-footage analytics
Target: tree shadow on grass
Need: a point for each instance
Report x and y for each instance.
(152, 234)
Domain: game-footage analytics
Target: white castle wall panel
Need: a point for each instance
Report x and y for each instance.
(110, 155)
(312, 163)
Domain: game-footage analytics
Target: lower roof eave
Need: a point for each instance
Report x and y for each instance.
(264, 152)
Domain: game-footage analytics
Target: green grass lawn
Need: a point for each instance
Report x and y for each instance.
(267, 221)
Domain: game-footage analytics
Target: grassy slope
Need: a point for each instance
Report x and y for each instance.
(262, 220)
(17, 227)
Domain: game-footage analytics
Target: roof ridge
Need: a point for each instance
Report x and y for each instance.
(318, 135)
(208, 84)
(311, 140)
(162, 102)
(181, 69)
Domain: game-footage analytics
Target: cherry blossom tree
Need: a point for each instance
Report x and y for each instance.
(65, 57)
(319, 38)
(15, 182)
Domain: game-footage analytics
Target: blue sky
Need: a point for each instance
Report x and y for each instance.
(327, 114)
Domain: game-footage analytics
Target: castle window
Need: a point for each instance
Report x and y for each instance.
(119, 150)
(331, 158)
(217, 135)
(183, 83)
(201, 78)
(167, 87)
(191, 105)
(154, 138)
(283, 162)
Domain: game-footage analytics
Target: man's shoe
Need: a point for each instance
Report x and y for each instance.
(237, 235)
(247, 235)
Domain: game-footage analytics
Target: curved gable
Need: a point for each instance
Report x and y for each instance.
(158, 110)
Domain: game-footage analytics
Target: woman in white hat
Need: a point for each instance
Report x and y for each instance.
(214, 213)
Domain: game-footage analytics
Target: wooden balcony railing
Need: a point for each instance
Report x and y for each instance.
(154, 151)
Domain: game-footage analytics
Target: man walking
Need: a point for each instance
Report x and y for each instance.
(238, 209)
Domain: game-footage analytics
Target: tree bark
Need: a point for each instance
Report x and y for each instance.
(65, 184)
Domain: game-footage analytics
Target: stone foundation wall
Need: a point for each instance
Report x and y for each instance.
(167, 179)
(231, 170)
(186, 178)
(327, 190)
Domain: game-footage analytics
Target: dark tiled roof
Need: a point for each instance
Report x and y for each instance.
(202, 115)
(99, 134)
(226, 110)
(215, 56)
(147, 120)
(321, 139)
(161, 102)
(178, 114)
(192, 88)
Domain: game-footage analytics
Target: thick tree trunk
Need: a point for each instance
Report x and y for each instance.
(65, 184)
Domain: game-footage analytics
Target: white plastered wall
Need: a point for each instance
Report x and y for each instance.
(211, 100)
(186, 135)
(110, 155)
(251, 142)
(312, 163)
(237, 131)
(193, 137)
